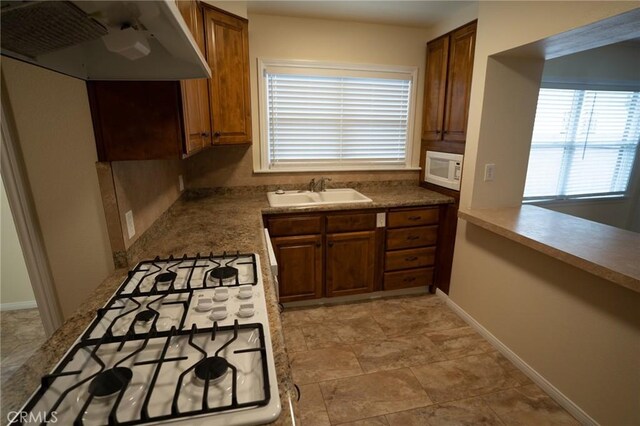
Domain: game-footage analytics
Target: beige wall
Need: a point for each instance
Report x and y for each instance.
(277, 37)
(15, 286)
(580, 332)
(55, 133)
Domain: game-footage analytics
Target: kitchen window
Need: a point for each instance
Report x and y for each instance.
(318, 116)
(584, 144)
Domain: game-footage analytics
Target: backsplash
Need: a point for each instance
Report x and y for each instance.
(146, 188)
(231, 166)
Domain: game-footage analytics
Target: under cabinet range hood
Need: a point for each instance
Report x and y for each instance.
(103, 40)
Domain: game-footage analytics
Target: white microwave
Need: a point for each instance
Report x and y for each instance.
(443, 169)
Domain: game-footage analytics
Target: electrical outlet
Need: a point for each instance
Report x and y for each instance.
(381, 220)
(131, 228)
(180, 183)
(489, 172)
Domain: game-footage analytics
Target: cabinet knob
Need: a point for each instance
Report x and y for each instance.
(318, 245)
(330, 244)
(217, 134)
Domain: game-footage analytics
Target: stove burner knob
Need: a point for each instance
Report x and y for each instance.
(221, 294)
(219, 313)
(245, 292)
(204, 304)
(246, 310)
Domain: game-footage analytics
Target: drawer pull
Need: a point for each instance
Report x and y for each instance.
(411, 258)
(414, 217)
(413, 237)
(409, 279)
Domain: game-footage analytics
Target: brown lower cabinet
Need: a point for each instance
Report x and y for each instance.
(332, 254)
(299, 267)
(351, 262)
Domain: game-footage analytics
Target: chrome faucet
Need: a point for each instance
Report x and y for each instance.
(323, 184)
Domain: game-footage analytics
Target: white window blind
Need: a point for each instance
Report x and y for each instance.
(336, 121)
(584, 144)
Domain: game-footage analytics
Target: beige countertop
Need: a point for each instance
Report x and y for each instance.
(605, 251)
(204, 221)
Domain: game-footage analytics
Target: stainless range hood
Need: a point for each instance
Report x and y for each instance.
(103, 40)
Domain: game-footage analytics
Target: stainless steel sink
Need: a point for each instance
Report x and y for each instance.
(308, 198)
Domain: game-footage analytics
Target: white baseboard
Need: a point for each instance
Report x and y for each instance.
(29, 304)
(536, 377)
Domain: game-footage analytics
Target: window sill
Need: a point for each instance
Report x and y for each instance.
(337, 170)
(576, 201)
(601, 250)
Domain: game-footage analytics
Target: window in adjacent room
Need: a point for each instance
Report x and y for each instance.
(329, 117)
(584, 144)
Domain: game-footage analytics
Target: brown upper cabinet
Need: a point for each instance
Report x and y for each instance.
(143, 120)
(447, 86)
(195, 93)
(229, 94)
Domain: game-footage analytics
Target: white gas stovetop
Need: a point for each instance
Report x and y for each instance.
(182, 341)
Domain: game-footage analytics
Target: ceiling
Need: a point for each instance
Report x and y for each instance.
(392, 12)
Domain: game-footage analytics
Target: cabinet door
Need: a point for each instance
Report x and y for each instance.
(435, 89)
(299, 267)
(136, 120)
(459, 82)
(195, 93)
(350, 263)
(229, 92)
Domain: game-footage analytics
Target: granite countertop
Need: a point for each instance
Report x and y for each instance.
(607, 252)
(204, 221)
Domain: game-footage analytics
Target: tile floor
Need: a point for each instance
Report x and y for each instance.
(406, 361)
(21, 333)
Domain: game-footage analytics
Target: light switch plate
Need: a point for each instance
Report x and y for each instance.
(381, 219)
(489, 172)
(181, 183)
(131, 228)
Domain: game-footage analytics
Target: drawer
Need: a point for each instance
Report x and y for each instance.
(405, 259)
(295, 225)
(406, 279)
(418, 236)
(414, 217)
(351, 222)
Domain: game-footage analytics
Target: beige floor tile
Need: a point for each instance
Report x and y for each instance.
(347, 311)
(463, 378)
(302, 317)
(407, 323)
(421, 303)
(323, 364)
(371, 395)
(398, 352)
(520, 377)
(21, 334)
(528, 405)
(311, 406)
(373, 421)
(502, 360)
(469, 412)
(459, 342)
(342, 331)
(294, 339)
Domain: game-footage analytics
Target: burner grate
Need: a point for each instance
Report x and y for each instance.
(112, 378)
